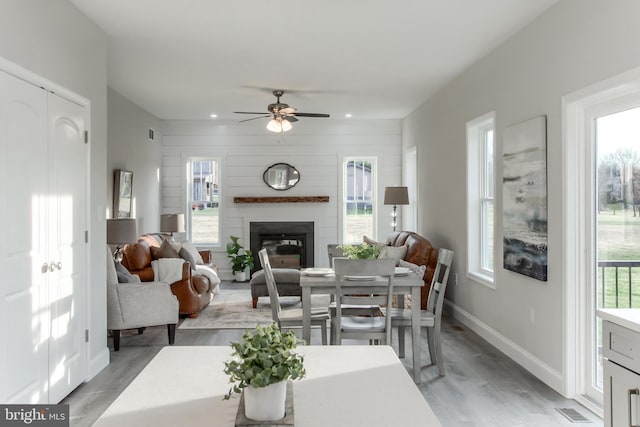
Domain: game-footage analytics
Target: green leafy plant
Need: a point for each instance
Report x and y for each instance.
(241, 259)
(263, 357)
(361, 251)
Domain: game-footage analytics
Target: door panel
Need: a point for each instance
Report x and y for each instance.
(67, 247)
(23, 302)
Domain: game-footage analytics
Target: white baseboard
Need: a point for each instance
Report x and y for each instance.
(538, 368)
(98, 363)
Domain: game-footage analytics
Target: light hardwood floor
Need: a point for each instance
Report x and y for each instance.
(482, 387)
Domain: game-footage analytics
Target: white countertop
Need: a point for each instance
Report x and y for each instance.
(345, 386)
(626, 317)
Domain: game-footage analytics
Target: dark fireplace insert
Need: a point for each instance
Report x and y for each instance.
(289, 244)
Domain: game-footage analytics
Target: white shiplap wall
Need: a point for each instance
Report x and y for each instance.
(316, 147)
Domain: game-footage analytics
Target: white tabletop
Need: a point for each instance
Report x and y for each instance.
(344, 386)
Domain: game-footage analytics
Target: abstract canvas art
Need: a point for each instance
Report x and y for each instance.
(524, 192)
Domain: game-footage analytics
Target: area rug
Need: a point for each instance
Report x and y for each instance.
(231, 309)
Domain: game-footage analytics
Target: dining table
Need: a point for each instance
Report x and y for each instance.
(323, 281)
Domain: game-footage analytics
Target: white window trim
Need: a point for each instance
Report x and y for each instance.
(410, 173)
(476, 128)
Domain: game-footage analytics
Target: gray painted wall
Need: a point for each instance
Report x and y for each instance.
(130, 149)
(52, 39)
(574, 44)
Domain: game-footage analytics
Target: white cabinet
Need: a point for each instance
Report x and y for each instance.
(43, 250)
(621, 349)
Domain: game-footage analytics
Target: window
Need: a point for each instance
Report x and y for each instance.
(480, 204)
(204, 201)
(358, 207)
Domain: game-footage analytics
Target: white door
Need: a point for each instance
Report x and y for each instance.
(615, 259)
(43, 255)
(67, 246)
(24, 309)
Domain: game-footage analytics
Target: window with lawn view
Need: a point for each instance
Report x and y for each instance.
(617, 213)
(204, 200)
(358, 207)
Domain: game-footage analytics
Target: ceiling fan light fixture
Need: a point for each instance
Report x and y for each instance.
(286, 125)
(279, 125)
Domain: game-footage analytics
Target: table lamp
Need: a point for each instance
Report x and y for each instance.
(396, 196)
(121, 231)
(172, 223)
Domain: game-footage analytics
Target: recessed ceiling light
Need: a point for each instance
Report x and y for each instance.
(348, 115)
(214, 116)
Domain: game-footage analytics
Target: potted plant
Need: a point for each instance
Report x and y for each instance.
(241, 259)
(260, 366)
(361, 251)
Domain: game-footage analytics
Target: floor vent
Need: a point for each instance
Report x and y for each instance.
(573, 415)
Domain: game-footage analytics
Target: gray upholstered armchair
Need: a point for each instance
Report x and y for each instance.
(138, 305)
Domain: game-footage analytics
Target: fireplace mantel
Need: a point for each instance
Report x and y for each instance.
(282, 199)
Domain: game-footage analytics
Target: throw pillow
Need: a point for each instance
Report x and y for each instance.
(124, 276)
(164, 251)
(193, 251)
(186, 255)
(396, 252)
(416, 269)
(370, 241)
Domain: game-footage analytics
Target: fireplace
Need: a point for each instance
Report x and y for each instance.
(289, 244)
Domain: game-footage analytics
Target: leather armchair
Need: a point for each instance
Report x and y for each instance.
(137, 305)
(194, 292)
(419, 252)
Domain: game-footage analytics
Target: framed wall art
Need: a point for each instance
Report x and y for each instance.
(524, 195)
(122, 193)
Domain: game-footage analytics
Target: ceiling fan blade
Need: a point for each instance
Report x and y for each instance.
(248, 112)
(255, 118)
(287, 110)
(310, 114)
(290, 119)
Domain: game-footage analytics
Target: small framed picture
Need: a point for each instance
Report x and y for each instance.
(122, 193)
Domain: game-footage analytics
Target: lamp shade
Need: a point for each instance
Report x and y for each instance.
(396, 196)
(172, 223)
(122, 231)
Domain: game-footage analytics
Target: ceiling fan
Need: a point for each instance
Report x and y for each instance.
(281, 114)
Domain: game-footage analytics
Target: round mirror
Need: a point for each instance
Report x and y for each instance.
(281, 176)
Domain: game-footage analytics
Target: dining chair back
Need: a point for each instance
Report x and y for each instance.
(431, 318)
(352, 274)
(439, 283)
(272, 289)
(334, 251)
(291, 317)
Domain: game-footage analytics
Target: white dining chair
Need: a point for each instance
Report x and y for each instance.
(345, 324)
(431, 318)
(334, 251)
(290, 318)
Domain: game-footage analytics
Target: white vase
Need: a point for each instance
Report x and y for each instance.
(241, 276)
(265, 403)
